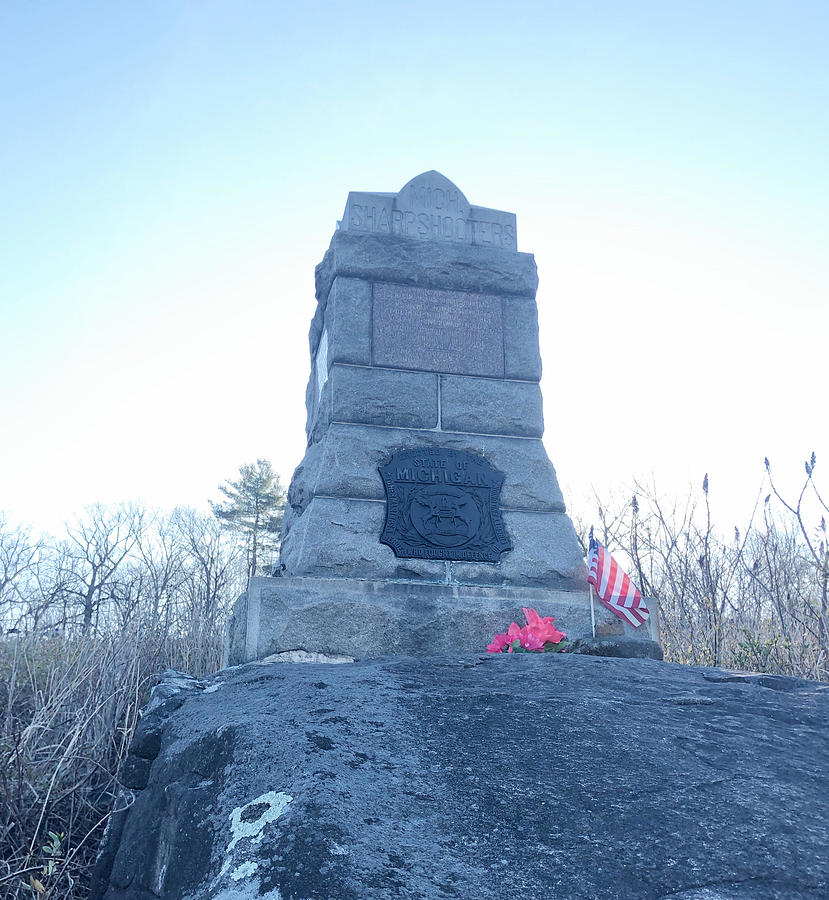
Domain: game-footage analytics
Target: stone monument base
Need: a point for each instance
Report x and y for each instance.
(369, 619)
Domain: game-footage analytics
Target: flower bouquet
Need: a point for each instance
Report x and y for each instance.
(539, 635)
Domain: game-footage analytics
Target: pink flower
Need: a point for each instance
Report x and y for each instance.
(498, 643)
(542, 627)
(535, 635)
(530, 640)
(513, 636)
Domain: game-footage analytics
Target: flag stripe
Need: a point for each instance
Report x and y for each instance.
(613, 587)
(622, 613)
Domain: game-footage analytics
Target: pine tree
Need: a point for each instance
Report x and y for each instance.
(253, 509)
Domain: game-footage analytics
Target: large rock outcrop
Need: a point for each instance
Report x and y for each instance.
(532, 776)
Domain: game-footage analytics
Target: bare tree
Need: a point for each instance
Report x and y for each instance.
(215, 575)
(161, 550)
(98, 543)
(814, 539)
(19, 554)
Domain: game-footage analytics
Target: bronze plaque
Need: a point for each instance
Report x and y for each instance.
(456, 332)
(443, 504)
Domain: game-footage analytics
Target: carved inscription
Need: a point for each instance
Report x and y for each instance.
(408, 223)
(455, 332)
(430, 208)
(443, 504)
(435, 225)
(422, 194)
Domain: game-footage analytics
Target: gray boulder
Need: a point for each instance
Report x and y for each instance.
(532, 775)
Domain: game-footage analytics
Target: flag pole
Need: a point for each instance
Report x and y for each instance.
(590, 584)
(592, 610)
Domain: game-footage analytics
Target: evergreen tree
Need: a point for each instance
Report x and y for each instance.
(253, 509)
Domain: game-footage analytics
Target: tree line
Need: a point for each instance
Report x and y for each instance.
(176, 571)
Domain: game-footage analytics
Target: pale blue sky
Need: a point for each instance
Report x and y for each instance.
(171, 172)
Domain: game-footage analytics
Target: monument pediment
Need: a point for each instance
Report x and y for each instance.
(429, 208)
(432, 192)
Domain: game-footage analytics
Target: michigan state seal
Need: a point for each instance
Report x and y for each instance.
(443, 504)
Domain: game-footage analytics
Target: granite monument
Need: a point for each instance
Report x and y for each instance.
(425, 513)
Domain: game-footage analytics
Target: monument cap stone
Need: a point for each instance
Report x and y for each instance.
(430, 208)
(432, 192)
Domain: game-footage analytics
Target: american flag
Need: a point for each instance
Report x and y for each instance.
(613, 587)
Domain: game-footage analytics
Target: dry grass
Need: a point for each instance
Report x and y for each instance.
(86, 625)
(67, 714)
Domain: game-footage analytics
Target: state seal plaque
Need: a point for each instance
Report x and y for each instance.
(443, 504)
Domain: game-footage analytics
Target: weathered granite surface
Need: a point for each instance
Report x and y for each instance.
(381, 257)
(532, 776)
(375, 396)
(522, 359)
(345, 462)
(491, 406)
(349, 318)
(338, 536)
(409, 616)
